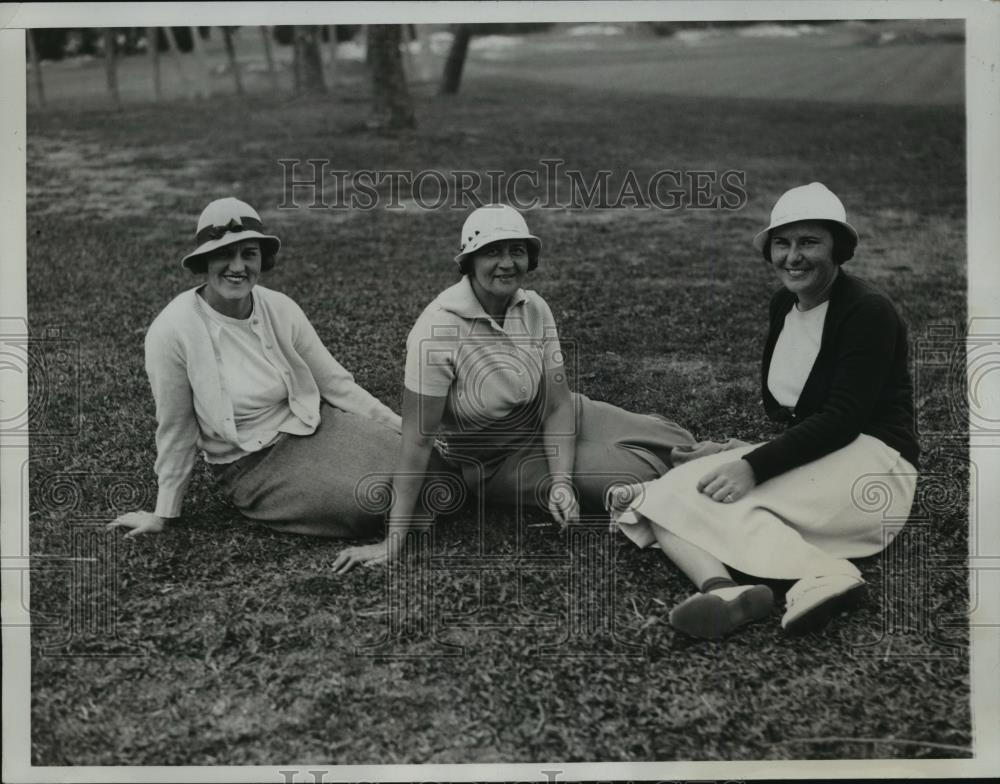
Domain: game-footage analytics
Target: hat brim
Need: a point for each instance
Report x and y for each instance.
(270, 249)
(534, 245)
(760, 238)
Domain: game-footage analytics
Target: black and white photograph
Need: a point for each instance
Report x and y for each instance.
(500, 391)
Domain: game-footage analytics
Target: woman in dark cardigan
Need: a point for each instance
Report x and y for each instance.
(797, 507)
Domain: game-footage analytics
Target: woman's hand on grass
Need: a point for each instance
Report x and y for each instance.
(729, 482)
(563, 505)
(139, 523)
(364, 555)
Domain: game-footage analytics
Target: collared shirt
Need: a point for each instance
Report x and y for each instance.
(488, 372)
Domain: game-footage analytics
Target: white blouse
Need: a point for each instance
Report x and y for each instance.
(255, 386)
(795, 353)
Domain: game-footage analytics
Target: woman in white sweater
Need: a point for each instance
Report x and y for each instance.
(239, 373)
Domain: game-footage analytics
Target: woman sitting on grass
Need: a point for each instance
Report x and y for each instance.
(835, 370)
(238, 372)
(485, 382)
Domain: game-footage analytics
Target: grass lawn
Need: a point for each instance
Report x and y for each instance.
(245, 649)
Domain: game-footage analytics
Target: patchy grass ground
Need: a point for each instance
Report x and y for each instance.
(233, 645)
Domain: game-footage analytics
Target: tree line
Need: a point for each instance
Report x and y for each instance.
(392, 104)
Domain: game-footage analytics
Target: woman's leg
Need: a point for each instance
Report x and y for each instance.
(700, 566)
(802, 525)
(721, 606)
(615, 446)
(334, 483)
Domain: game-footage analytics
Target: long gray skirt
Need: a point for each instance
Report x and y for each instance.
(332, 483)
(613, 446)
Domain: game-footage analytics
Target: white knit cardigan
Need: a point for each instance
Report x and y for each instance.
(193, 410)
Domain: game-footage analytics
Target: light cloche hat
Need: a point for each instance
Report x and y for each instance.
(807, 202)
(229, 220)
(493, 222)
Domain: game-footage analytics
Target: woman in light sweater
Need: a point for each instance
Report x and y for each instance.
(239, 373)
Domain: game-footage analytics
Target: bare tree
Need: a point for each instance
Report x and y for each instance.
(234, 64)
(36, 67)
(175, 53)
(272, 72)
(309, 61)
(393, 107)
(203, 82)
(452, 76)
(330, 53)
(422, 60)
(111, 66)
(153, 44)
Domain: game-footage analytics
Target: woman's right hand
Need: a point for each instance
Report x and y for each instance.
(563, 506)
(140, 522)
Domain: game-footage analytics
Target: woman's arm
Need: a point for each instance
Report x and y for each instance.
(558, 424)
(864, 352)
(421, 421)
(176, 432)
(336, 385)
(559, 437)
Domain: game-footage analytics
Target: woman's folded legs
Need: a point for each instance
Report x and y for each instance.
(336, 482)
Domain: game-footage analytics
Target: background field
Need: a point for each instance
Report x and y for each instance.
(243, 644)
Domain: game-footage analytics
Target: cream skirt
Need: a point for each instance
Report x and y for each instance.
(803, 523)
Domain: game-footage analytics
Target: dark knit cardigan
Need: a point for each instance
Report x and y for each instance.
(859, 383)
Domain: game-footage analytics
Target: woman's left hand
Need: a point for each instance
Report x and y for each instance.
(365, 555)
(729, 482)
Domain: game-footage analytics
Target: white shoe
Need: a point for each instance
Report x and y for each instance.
(813, 601)
(717, 613)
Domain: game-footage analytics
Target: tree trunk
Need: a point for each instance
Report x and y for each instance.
(36, 67)
(393, 108)
(175, 53)
(423, 56)
(111, 66)
(310, 60)
(452, 76)
(330, 54)
(153, 42)
(296, 62)
(234, 65)
(272, 72)
(203, 82)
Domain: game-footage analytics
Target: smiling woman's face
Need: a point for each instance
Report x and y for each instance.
(802, 257)
(230, 274)
(499, 269)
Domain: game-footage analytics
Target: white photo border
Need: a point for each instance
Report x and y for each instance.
(983, 198)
